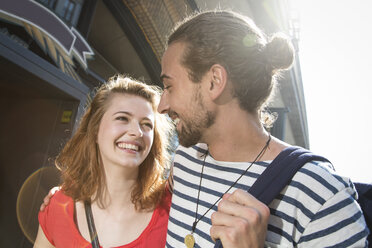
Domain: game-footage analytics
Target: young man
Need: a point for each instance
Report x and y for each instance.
(218, 72)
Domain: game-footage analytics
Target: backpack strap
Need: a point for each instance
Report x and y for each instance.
(365, 201)
(278, 174)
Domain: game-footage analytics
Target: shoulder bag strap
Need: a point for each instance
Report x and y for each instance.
(91, 226)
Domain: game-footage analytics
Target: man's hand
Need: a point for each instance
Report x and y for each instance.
(241, 221)
(48, 197)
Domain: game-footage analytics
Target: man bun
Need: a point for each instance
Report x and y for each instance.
(279, 53)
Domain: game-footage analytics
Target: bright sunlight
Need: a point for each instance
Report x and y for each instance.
(335, 54)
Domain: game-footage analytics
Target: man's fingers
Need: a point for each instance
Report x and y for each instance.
(227, 235)
(222, 219)
(229, 213)
(243, 198)
(241, 220)
(226, 196)
(217, 232)
(53, 190)
(47, 198)
(42, 207)
(46, 201)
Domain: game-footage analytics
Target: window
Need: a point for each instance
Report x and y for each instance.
(67, 10)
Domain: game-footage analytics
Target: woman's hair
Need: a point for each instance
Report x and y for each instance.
(234, 41)
(79, 161)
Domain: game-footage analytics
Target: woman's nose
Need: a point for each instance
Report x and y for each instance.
(135, 129)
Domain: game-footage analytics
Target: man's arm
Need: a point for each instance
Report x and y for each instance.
(48, 197)
(241, 221)
(338, 223)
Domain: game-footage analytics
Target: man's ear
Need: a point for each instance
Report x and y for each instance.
(218, 81)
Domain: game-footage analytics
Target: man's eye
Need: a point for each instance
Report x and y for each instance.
(167, 87)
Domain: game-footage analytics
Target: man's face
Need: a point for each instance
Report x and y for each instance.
(183, 99)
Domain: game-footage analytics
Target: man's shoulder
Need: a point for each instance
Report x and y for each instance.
(197, 151)
(320, 176)
(189, 159)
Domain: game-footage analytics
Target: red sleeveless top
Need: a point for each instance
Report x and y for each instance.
(57, 222)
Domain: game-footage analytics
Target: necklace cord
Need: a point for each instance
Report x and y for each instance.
(199, 188)
(236, 181)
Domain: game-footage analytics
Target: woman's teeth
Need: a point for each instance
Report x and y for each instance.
(128, 146)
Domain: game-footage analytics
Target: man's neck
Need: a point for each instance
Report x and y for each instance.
(238, 136)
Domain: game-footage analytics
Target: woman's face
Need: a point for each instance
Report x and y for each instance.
(126, 131)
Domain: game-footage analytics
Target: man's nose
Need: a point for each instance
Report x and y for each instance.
(163, 104)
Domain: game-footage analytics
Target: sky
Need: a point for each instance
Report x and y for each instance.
(335, 53)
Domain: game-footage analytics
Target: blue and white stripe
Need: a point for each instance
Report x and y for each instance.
(317, 209)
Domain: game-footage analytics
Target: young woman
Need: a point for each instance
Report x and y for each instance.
(113, 165)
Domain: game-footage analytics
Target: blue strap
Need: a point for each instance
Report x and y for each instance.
(279, 174)
(365, 201)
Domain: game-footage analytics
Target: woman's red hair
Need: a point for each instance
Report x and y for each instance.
(79, 161)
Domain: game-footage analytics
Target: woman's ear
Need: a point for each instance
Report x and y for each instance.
(218, 81)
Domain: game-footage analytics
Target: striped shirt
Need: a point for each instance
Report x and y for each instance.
(317, 209)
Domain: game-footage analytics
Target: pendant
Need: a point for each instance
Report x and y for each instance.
(189, 241)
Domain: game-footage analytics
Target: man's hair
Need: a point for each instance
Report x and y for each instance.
(235, 42)
(79, 161)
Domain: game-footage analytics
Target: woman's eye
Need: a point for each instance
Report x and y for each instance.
(122, 118)
(148, 125)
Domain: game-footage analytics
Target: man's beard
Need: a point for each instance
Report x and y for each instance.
(192, 128)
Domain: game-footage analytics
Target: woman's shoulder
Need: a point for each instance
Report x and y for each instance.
(59, 197)
(57, 218)
(166, 200)
(156, 230)
(59, 203)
